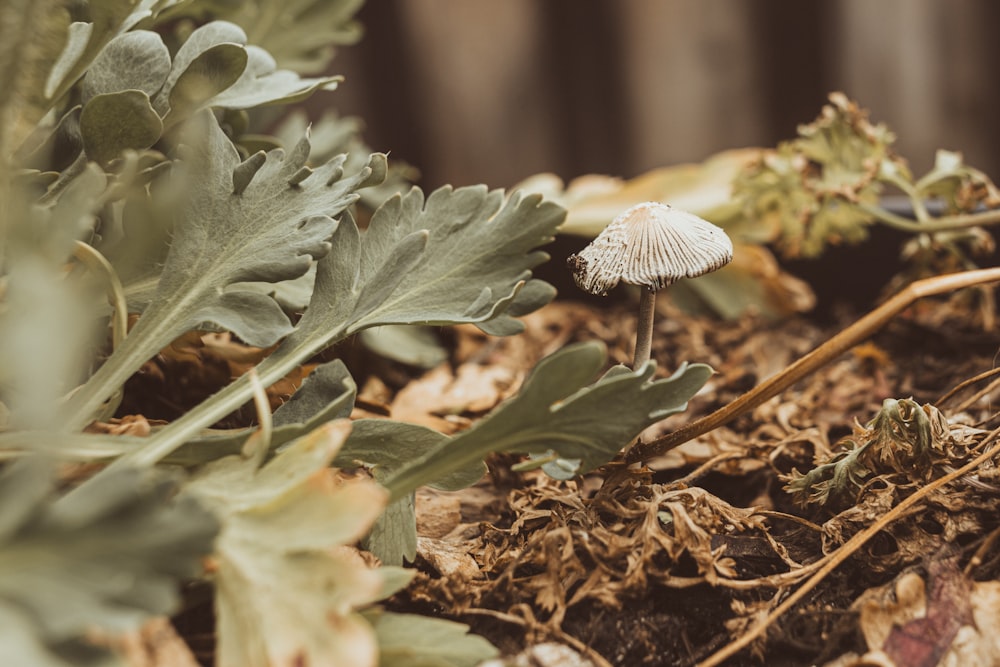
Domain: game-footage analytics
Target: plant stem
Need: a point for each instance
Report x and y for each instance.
(276, 366)
(816, 359)
(153, 331)
(944, 223)
(99, 265)
(919, 209)
(644, 328)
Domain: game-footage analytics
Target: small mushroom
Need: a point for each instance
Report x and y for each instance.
(650, 245)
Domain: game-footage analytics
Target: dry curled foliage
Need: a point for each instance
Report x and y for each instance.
(663, 564)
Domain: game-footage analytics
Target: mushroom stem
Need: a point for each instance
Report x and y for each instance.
(644, 328)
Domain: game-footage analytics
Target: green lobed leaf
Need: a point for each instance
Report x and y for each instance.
(326, 394)
(292, 295)
(331, 135)
(460, 256)
(410, 345)
(385, 446)
(263, 83)
(393, 537)
(255, 317)
(270, 231)
(109, 554)
(148, 65)
(300, 34)
(409, 640)
(104, 20)
(214, 70)
(809, 188)
(77, 38)
(201, 40)
(557, 411)
(111, 123)
(287, 588)
(535, 294)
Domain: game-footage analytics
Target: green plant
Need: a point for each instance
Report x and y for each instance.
(899, 439)
(146, 188)
(825, 187)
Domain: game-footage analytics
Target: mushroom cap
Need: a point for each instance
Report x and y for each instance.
(651, 245)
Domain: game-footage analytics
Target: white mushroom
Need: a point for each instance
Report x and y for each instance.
(650, 245)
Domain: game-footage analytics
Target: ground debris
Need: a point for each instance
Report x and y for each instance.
(664, 565)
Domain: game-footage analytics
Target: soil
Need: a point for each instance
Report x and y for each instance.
(669, 562)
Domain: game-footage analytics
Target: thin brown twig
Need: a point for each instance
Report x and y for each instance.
(984, 548)
(528, 624)
(774, 514)
(965, 383)
(822, 355)
(971, 400)
(846, 550)
(706, 467)
(587, 651)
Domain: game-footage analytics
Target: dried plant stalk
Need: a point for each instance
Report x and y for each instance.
(822, 355)
(851, 546)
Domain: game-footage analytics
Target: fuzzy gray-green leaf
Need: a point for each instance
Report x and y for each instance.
(107, 555)
(454, 245)
(270, 232)
(215, 69)
(386, 446)
(257, 317)
(393, 536)
(535, 294)
(113, 122)
(477, 243)
(301, 35)
(38, 361)
(148, 65)
(77, 38)
(408, 640)
(198, 42)
(263, 83)
(86, 39)
(244, 173)
(556, 410)
(326, 394)
(283, 526)
(412, 345)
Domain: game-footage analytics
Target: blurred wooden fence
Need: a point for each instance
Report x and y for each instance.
(495, 90)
